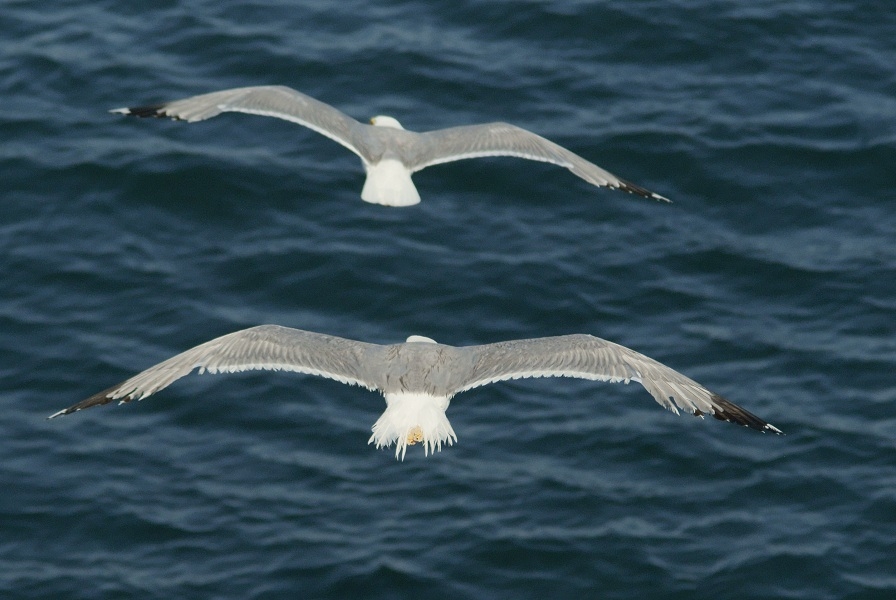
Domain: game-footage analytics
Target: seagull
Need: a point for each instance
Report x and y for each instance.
(419, 377)
(389, 152)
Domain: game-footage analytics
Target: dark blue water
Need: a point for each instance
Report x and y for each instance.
(771, 279)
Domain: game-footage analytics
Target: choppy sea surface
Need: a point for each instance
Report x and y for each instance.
(771, 279)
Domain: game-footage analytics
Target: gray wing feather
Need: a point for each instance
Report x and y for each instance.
(266, 347)
(270, 101)
(589, 357)
(503, 139)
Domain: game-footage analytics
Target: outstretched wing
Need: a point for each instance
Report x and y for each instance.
(266, 347)
(503, 139)
(589, 357)
(269, 101)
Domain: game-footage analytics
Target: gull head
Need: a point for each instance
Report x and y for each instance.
(413, 418)
(420, 339)
(381, 121)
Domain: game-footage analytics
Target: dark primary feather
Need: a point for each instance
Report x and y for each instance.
(154, 110)
(731, 412)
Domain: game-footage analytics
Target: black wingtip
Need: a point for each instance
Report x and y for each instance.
(153, 110)
(631, 188)
(104, 397)
(725, 410)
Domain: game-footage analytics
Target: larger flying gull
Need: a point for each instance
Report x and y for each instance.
(389, 152)
(419, 377)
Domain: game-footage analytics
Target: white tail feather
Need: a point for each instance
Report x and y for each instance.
(407, 414)
(389, 183)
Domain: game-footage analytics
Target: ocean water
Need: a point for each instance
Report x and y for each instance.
(771, 279)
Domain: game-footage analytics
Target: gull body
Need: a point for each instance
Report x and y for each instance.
(389, 153)
(419, 377)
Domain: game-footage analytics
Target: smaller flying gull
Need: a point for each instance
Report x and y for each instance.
(389, 152)
(419, 377)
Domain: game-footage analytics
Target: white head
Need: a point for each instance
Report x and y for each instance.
(381, 121)
(421, 339)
